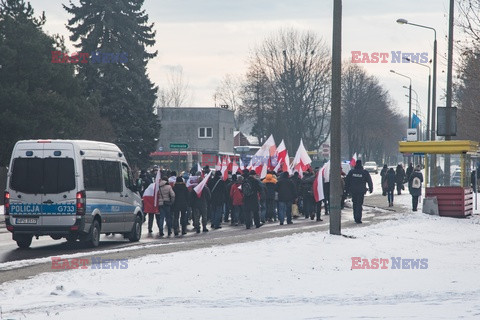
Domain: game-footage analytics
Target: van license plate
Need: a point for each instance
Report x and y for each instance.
(27, 220)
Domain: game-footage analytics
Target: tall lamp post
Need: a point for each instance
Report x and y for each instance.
(429, 96)
(409, 97)
(433, 160)
(434, 86)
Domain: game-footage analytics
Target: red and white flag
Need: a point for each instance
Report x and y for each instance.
(279, 164)
(199, 168)
(241, 166)
(156, 182)
(318, 187)
(234, 167)
(264, 171)
(218, 167)
(281, 152)
(224, 169)
(302, 159)
(326, 171)
(149, 199)
(353, 161)
(199, 188)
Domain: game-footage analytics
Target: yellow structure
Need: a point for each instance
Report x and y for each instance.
(465, 148)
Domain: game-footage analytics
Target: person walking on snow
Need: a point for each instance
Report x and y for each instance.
(390, 179)
(355, 185)
(415, 186)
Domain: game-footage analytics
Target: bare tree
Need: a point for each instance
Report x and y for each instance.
(177, 91)
(229, 93)
(369, 123)
(287, 89)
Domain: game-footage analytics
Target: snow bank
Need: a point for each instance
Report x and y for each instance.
(295, 277)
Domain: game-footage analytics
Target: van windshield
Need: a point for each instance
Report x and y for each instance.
(43, 175)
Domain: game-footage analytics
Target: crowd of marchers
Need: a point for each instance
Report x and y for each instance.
(241, 200)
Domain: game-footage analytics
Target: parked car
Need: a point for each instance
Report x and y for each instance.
(371, 166)
(455, 178)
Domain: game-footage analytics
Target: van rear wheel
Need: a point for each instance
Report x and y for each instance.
(24, 241)
(93, 239)
(136, 232)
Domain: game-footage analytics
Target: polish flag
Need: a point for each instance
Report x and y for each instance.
(353, 161)
(264, 171)
(224, 169)
(318, 187)
(199, 188)
(279, 164)
(156, 182)
(149, 199)
(286, 165)
(302, 159)
(199, 168)
(234, 167)
(242, 166)
(218, 167)
(326, 171)
(281, 152)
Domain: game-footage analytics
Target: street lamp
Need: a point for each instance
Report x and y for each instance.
(409, 97)
(434, 87)
(429, 86)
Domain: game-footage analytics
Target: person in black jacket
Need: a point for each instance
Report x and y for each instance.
(415, 186)
(286, 195)
(251, 188)
(218, 189)
(180, 206)
(355, 185)
(200, 207)
(401, 177)
(307, 195)
(390, 179)
(383, 175)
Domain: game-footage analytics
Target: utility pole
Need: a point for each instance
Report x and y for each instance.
(449, 88)
(335, 157)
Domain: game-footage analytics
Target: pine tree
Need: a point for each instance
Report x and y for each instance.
(127, 95)
(38, 99)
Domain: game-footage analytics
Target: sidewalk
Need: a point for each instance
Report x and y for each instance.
(379, 201)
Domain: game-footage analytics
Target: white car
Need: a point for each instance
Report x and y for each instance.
(371, 166)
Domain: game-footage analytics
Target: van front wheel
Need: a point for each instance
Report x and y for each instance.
(136, 232)
(24, 241)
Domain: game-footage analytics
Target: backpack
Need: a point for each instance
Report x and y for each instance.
(247, 188)
(416, 183)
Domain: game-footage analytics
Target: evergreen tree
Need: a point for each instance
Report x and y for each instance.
(38, 99)
(127, 95)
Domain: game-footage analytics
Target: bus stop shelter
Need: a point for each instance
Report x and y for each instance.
(453, 190)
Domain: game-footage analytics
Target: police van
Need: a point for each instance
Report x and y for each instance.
(73, 189)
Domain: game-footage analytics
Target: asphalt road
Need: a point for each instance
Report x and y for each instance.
(19, 264)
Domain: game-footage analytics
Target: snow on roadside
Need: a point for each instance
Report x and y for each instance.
(294, 277)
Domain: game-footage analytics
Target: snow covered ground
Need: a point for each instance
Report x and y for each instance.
(304, 276)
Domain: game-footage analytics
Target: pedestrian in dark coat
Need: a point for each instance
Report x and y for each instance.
(390, 179)
(286, 195)
(307, 195)
(355, 185)
(383, 174)
(200, 207)
(415, 186)
(251, 198)
(400, 177)
(237, 201)
(218, 190)
(180, 206)
(409, 172)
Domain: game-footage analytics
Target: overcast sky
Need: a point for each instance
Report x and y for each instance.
(212, 38)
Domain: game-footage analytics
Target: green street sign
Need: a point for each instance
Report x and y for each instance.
(178, 146)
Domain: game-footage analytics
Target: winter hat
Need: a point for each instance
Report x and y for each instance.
(218, 173)
(239, 179)
(418, 168)
(179, 179)
(252, 172)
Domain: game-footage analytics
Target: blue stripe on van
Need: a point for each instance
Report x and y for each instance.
(108, 208)
(64, 209)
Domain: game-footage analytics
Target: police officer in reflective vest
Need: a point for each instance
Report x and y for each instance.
(355, 185)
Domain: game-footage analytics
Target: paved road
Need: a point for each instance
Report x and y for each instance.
(115, 247)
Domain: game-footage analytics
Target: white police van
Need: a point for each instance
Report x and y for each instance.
(73, 189)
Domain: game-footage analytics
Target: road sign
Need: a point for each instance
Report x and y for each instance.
(178, 146)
